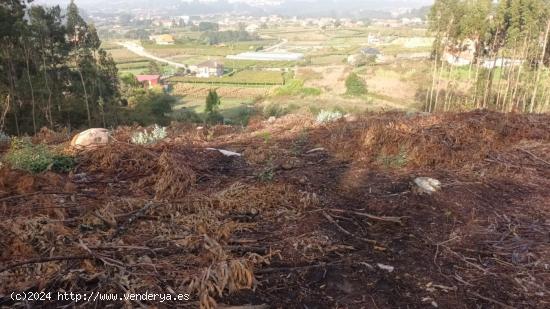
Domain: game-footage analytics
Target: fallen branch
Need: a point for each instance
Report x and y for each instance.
(293, 268)
(46, 259)
(13, 197)
(331, 220)
(367, 215)
(494, 301)
(123, 227)
(534, 156)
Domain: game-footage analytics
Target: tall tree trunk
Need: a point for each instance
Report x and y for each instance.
(499, 84)
(509, 79)
(12, 90)
(5, 112)
(546, 105)
(539, 68)
(448, 89)
(514, 100)
(86, 99)
(476, 101)
(429, 99)
(489, 83)
(45, 70)
(33, 107)
(438, 86)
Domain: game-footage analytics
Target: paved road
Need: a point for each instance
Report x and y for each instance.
(139, 50)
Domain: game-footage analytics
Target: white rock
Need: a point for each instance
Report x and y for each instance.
(271, 119)
(385, 267)
(200, 128)
(91, 138)
(226, 152)
(316, 150)
(427, 185)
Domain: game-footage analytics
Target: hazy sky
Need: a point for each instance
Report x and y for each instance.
(302, 8)
(370, 3)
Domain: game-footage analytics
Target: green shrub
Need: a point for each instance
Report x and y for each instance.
(212, 102)
(213, 118)
(355, 85)
(148, 107)
(211, 107)
(186, 115)
(25, 155)
(274, 110)
(243, 114)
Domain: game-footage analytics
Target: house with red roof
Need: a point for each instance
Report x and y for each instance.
(148, 80)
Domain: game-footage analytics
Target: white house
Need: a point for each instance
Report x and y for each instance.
(209, 68)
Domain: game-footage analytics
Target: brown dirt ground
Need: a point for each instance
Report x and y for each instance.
(289, 228)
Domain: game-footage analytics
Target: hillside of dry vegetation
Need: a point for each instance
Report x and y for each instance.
(310, 216)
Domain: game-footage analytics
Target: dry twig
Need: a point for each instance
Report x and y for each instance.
(367, 215)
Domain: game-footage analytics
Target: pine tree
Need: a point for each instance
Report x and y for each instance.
(212, 102)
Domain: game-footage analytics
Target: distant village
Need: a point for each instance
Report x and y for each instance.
(252, 24)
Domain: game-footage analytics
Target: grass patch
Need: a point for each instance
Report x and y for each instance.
(398, 160)
(295, 87)
(36, 158)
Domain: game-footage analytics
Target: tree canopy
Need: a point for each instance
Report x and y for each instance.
(53, 71)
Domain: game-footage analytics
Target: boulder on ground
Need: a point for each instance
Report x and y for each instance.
(427, 185)
(91, 138)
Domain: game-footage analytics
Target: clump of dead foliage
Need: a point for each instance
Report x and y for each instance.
(433, 140)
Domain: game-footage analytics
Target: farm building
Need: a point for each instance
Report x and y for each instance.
(369, 53)
(148, 80)
(163, 39)
(259, 56)
(209, 69)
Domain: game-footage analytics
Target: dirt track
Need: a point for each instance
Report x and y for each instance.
(336, 228)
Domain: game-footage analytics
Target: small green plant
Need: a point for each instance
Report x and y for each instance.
(328, 116)
(266, 137)
(145, 138)
(398, 160)
(274, 110)
(25, 155)
(300, 143)
(355, 85)
(268, 173)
